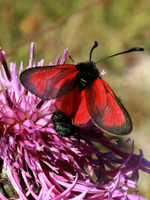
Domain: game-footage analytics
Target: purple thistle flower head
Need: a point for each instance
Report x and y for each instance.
(39, 164)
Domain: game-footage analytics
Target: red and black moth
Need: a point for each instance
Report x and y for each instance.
(80, 94)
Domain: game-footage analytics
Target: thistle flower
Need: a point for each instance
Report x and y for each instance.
(39, 164)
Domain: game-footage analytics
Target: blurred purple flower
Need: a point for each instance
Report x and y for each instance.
(42, 165)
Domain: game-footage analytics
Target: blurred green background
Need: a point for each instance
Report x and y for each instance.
(115, 25)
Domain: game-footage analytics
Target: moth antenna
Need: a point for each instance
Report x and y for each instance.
(128, 51)
(68, 53)
(94, 46)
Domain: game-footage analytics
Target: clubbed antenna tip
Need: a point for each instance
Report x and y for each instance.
(95, 45)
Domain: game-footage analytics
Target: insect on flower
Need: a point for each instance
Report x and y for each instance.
(80, 94)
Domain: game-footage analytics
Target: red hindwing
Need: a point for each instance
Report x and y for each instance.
(82, 115)
(68, 104)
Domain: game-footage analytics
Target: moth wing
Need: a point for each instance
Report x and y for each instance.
(106, 110)
(81, 116)
(50, 82)
(68, 104)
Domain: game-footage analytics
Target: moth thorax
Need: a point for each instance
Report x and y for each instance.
(87, 74)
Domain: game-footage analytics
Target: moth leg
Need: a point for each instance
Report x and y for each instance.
(48, 123)
(78, 133)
